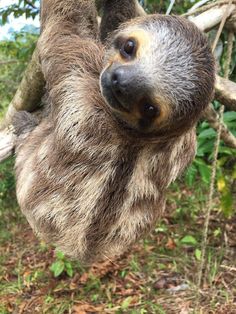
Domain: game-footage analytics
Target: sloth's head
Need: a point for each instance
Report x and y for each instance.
(158, 74)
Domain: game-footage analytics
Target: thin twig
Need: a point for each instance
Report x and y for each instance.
(214, 165)
(197, 5)
(172, 2)
(228, 268)
(207, 7)
(31, 4)
(210, 200)
(8, 62)
(229, 54)
(226, 14)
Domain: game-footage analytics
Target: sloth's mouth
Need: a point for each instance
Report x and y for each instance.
(119, 104)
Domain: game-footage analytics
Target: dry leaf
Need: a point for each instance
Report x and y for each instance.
(84, 278)
(161, 283)
(85, 308)
(171, 245)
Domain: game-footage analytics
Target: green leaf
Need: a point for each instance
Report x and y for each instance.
(229, 116)
(205, 147)
(232, 126)
(198, 254)
(4, 18)
(208, 133)
(190, 175)
(189, 240)
(226, 202)
(125, 304)
(60, 255)
(57, 268)
(226, 150)
(204, 170)
(69, 269)
(217, 232)
(202, 126)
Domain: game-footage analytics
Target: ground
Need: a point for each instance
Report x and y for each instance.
(158, 275)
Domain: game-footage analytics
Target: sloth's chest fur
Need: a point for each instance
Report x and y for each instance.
(90, 195)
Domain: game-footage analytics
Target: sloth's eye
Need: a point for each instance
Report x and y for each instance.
(149, 111)
(127, 49)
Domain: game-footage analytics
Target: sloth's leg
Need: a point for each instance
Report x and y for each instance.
(116, 12)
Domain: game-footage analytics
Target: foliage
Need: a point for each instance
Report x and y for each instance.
(226, 168)
(7, 184)
(179, 7)
(15, 53)
(61, 265)
(28, 8)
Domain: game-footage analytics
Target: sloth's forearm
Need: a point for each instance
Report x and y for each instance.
(65, 58)
(79, 15)
(65, 42)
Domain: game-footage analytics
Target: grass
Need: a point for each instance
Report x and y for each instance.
(158, 275)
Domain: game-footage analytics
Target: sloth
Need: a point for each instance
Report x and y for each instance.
(92, 175)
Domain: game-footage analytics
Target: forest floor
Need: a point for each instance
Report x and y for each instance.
(158, 275)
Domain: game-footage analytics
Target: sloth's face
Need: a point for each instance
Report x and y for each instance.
(158, 74)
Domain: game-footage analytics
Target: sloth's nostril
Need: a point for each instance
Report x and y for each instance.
(114, 79)
(119, 77)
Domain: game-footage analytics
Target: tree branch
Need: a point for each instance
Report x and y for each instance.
(29, 92)
(227, 13)
(31, 4)
(209, 19)
(207, 7)
(231, 23)
(7, 140)
(8, 62)
(225, 92)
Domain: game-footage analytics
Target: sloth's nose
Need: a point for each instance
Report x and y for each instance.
(120, 80)
(124, 86)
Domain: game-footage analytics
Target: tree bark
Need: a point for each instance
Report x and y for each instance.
(231, 23)
(7, 140)
(29, 93)
(225, 92)
(209, 19)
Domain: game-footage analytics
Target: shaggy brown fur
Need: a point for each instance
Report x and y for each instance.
(117, 12)
(91, 178)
